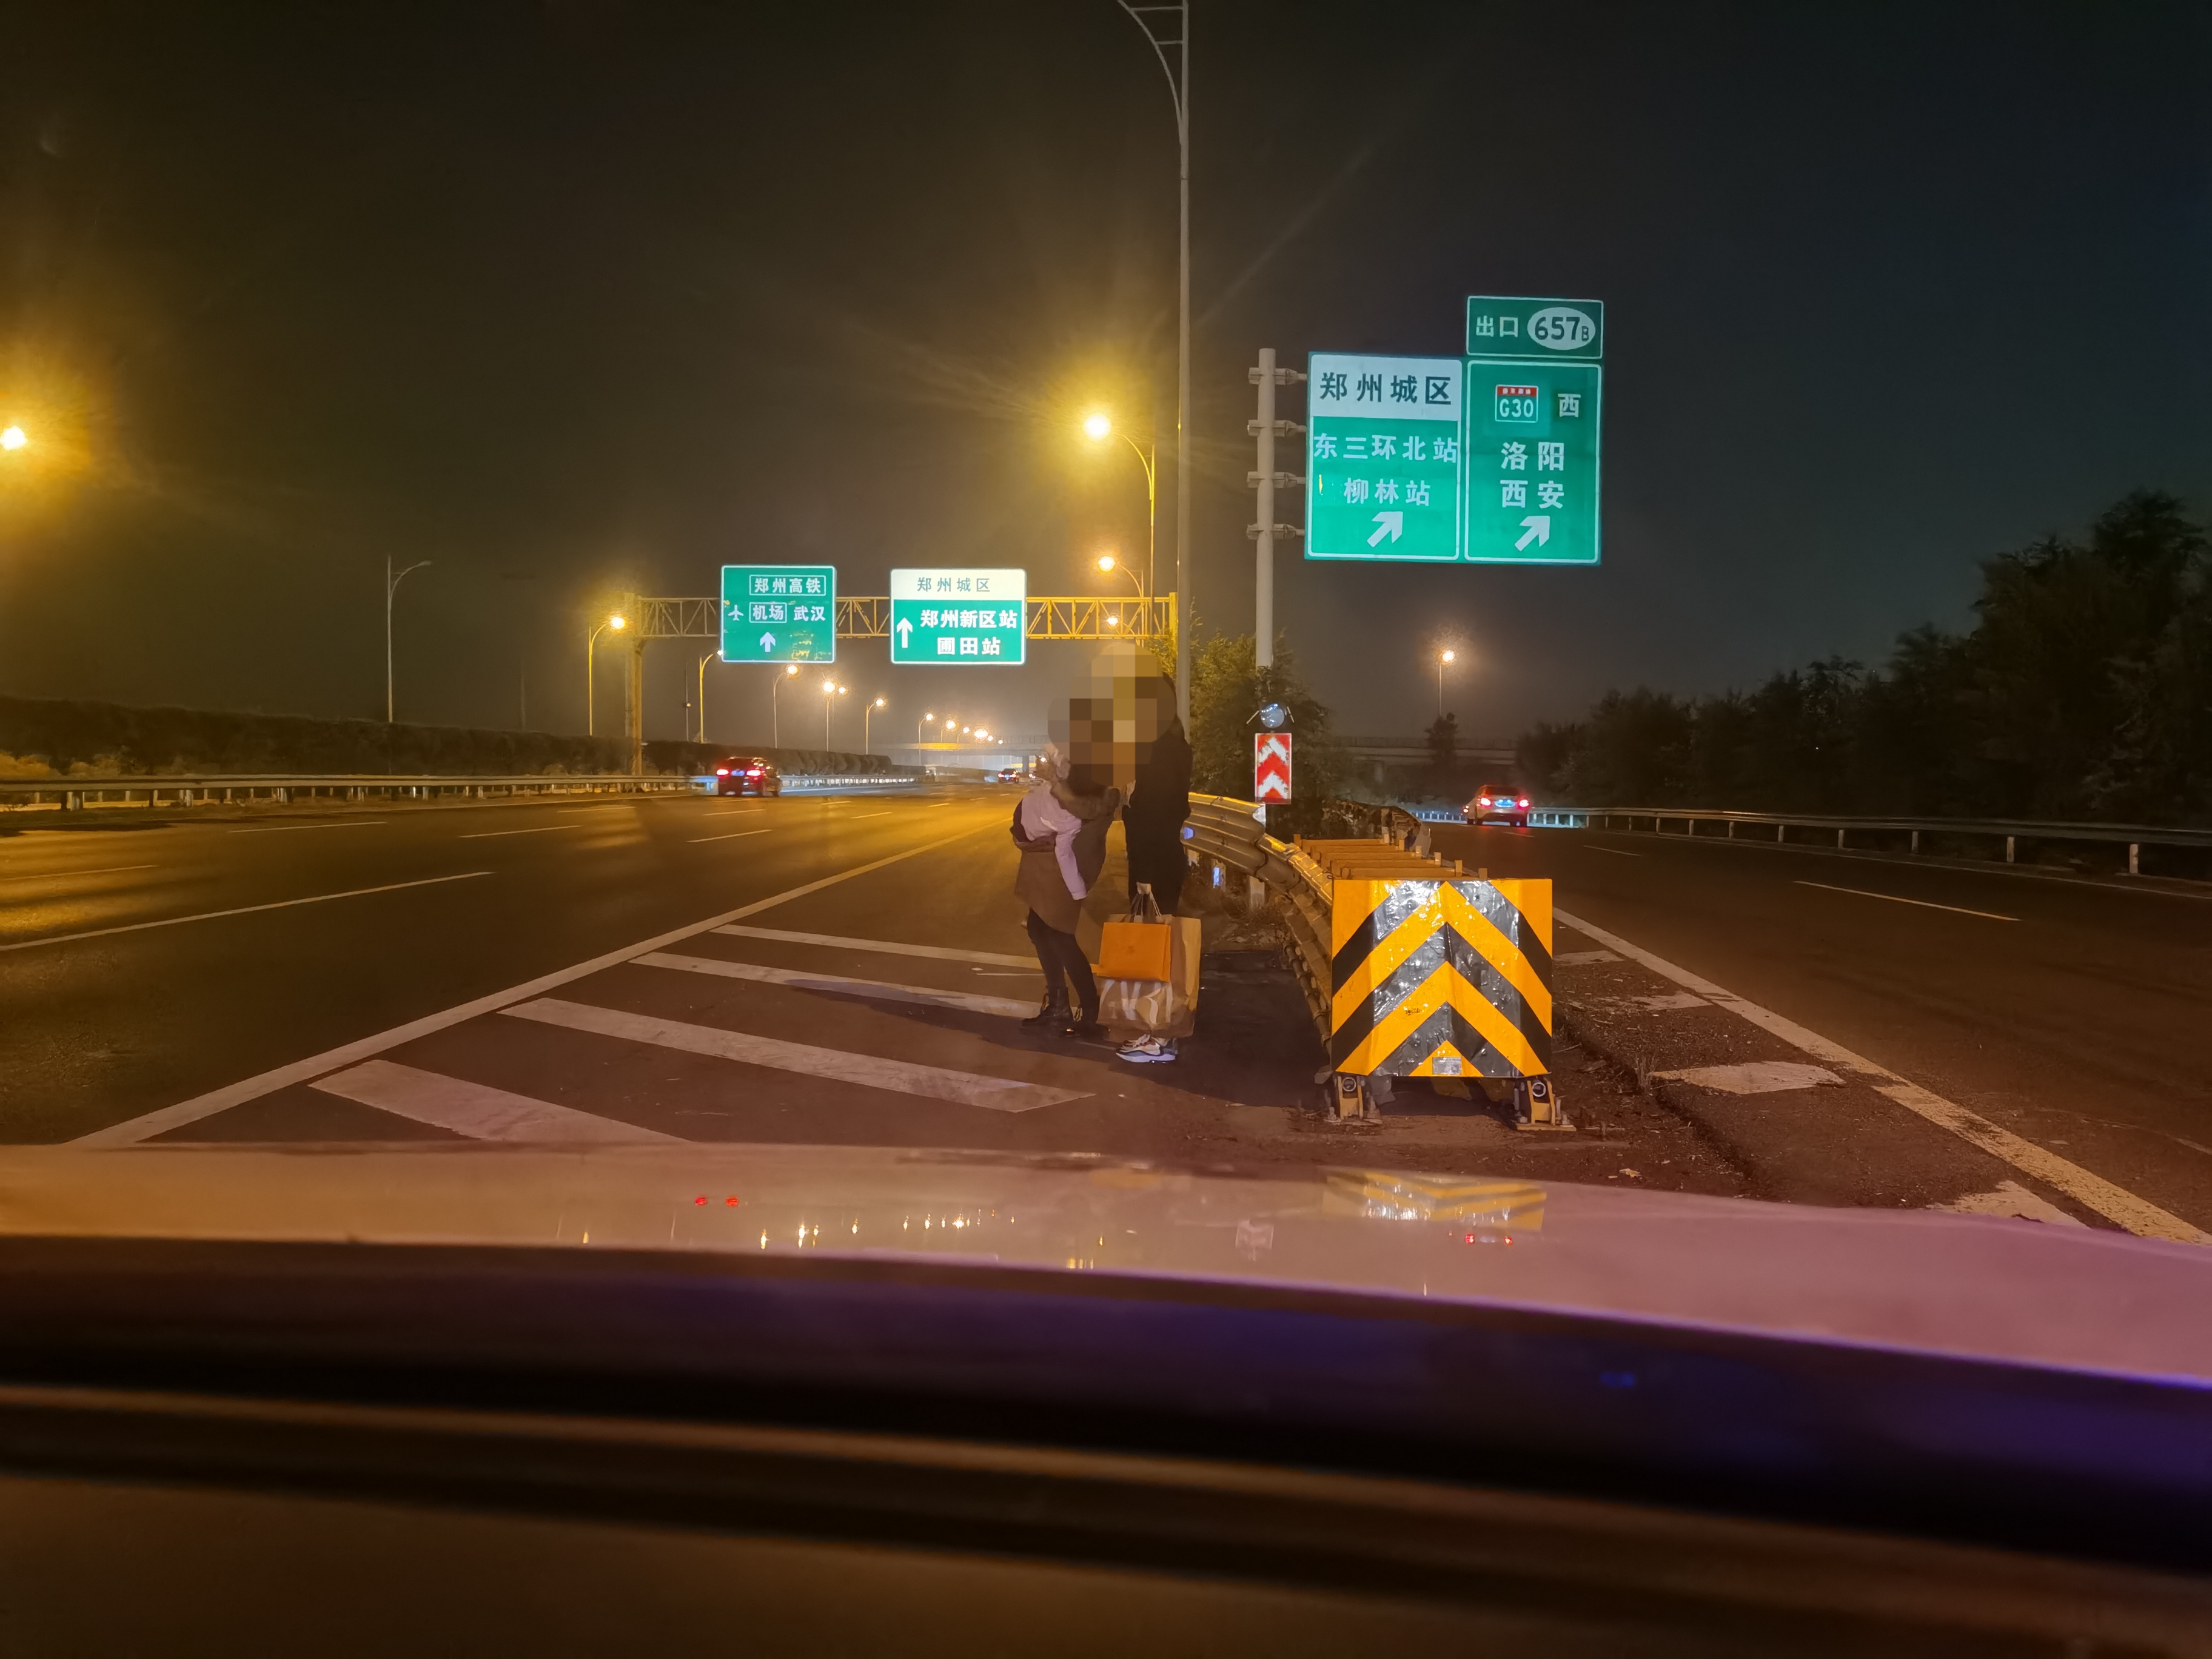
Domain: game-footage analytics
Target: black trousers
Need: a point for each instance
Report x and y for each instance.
(1060, 955)
(1162, 870)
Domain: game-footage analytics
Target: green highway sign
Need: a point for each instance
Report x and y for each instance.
(1540, 331)
(1382, 458)
(1535, 388)
(779, 613)
(957, 618)
(1532, 462)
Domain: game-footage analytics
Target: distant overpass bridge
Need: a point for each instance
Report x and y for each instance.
(1372, 757)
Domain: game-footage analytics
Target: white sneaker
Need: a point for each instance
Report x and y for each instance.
(1149, 1050)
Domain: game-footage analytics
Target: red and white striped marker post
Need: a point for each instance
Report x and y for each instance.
(1271, 767)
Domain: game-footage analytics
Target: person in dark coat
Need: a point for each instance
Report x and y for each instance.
(1159, 802)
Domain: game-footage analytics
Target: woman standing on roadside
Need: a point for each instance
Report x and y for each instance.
(1061, 832)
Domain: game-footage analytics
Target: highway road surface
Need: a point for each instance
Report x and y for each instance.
(852, 969)
(2074, 1014)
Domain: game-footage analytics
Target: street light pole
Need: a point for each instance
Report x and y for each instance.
(590, 654)
(703, 661)
(864, 718)
(1442, 657)
(775, 725)
(925, 720)
(1178, 73)
(391, 586)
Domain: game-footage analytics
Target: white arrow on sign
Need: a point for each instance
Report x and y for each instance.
(905, 632)
(768, 644)
(1391, 525)
(1538, 531)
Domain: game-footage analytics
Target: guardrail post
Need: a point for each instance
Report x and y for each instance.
(1839, 840)
(1779, 828)
(2134, 853)
(1916, 841)
(2009, 848)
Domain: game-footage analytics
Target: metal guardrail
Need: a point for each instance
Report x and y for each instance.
(211, 789)
(2011, 831)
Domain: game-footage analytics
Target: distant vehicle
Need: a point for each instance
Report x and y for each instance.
(746, 774)
(1010, 774)
(1498, 802)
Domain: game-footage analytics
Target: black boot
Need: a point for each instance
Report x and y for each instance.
(1085, 1027)
(1054, 1013)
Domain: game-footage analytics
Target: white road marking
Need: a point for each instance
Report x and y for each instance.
(1757, 1077)
(734, 835)
(1619, 852)
(882, 990)
(734, 811)
(885, 947)
(854, 817)
(1582, 958)
(241, 910)
(2115, 1203)
(1957, 910)
(2012, 1201)
(64, 875)
(165, 1118)
(476, 1110)
(274, 829)
(487, 835)
(903, 1077)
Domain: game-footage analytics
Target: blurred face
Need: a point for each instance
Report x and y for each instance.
(1114, 714)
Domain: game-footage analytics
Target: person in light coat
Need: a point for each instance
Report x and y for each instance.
(1061, 833)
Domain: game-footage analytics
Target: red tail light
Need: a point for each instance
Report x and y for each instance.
(754, 772)
(721, 771)
(1524, 800)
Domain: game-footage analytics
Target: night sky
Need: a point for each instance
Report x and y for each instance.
(572, 298)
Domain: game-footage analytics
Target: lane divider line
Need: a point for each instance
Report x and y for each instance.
(882, 990)
(477, 1110)
(734, 835)
(1925, 904)
(885, 947)
(537, 829)
(239, 910)
(278, 828)
(1617, 852)
(904, 1077)
(163, 1119)
(2115, 1203)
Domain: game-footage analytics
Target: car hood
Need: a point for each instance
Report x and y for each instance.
(1940, 1284)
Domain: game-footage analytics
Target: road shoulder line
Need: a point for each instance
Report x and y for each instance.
(2138, 1215)
(163, 1119)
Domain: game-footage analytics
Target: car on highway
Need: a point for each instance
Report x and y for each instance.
(747, 774)
(1498, 803)
(1009, 775)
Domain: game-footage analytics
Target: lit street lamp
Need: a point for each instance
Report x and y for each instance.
(830, 692)
(391, 586)
(775, 731)
(1098, 428)
(928, 718)
(703, 661)
(868, 714)
(1442, 658)
(590, 702)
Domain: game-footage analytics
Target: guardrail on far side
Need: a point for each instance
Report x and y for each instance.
(1872, 834)
(215, 789)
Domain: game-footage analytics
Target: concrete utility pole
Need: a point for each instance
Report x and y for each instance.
(1166, 26)
(1267, 428)
(635, 708)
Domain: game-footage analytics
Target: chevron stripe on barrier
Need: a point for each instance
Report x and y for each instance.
(1441, 978)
